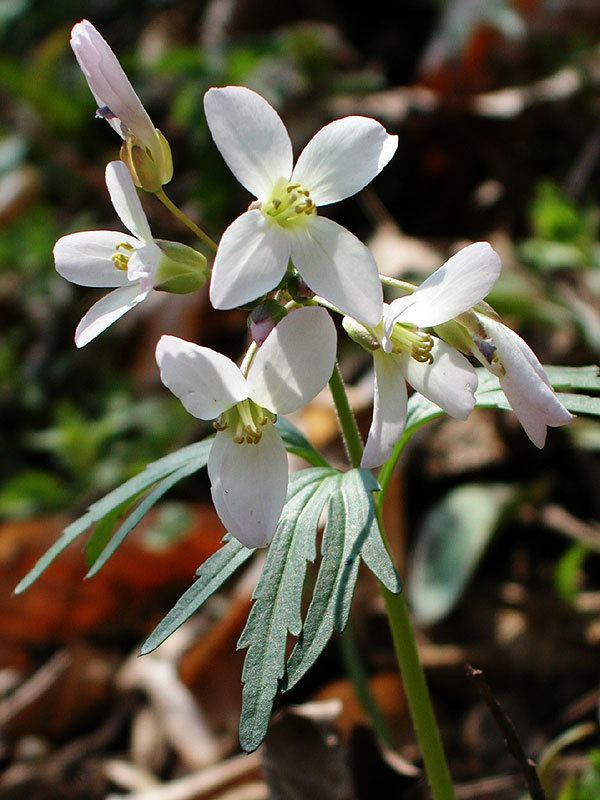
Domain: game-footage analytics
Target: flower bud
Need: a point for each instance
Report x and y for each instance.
(263, 318)
(145, 150)
(359, 334)
(298, 289)
(181, 269)
(150, 170)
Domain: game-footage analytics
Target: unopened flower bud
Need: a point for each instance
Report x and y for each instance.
(145, 151)
(149, 170)
(181, 269)
(298, 289)
(263, 318)
(359, 334)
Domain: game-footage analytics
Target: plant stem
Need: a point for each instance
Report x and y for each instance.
(405, 646)
(360, 682)
(177, 212)
(350, 434)
(415, 687)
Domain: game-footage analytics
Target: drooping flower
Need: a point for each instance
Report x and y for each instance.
(522, 379)
(134, 264)
(247, 465)
(145, 150)
(283, 224)
(405, 352)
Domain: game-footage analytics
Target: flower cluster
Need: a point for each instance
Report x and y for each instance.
(291, 268)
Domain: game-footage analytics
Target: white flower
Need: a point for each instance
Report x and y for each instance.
(147, 151)
(403, 352)
(255, 250)
(111, 258)
(523, 381)
(247, 465)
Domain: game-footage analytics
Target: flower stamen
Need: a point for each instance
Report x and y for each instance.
(408, 339)
(246, 421)
(289, 203)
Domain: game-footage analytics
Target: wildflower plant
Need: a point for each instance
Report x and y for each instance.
(295, 271)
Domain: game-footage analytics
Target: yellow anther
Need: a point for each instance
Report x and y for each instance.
(120, 261)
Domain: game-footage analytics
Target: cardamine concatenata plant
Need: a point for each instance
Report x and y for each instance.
(294, 270)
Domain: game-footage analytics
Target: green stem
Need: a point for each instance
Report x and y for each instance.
(360, 681)
(177, 212)
(350, 434)
(417, 693)
(405, 646)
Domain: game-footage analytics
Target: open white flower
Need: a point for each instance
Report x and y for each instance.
(135, 264)
(147, 152)
(404, 353)
(247, 465)
(283, 224)
(523, 381)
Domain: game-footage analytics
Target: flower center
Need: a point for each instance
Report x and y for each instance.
(407, 338)
(121, 260)
(245, 420)
(289, 203)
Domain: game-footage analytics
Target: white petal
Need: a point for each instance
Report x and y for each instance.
(124, 197)
(108, 310)
(338, 266)
(206, 382)
(252, 258)
(249, 485)
(143, 264)
(250, 136)
(343, 157)
(389, 409)
(109, 84)
(525, 384)
(462, 282)
(85, 258)
(295, 362)
(450, 381)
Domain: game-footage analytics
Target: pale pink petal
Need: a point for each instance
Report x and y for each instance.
(338, 266)
(108, 310)
(295, 362)
(250, 136)
(251, 260)
(206, 382)
(343, 157)
(249, 485)
(525, 384)
(110, 86)
(389, 408)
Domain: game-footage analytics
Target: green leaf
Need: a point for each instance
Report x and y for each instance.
(277, 599)
(351, 527)
(195, 454)
(139, 513)
(211, 576)
(296, 443)
(490, 395)
(450, 545)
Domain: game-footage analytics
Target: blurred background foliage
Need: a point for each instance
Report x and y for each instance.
(496, 106)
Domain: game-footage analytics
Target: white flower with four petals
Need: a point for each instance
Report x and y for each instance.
(407, 354)
(255, 250)
(111, 258)
(247, 465)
